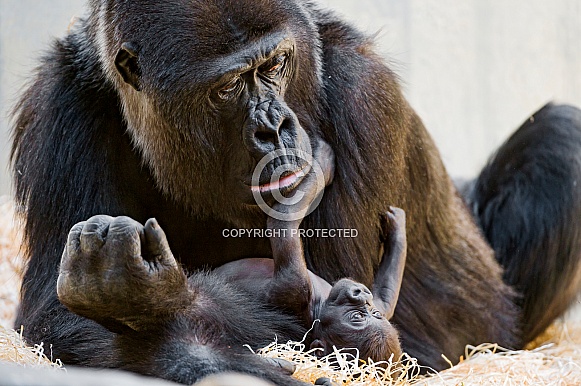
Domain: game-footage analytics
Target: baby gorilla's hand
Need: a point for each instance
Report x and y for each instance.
(308, 193)
(393, 226)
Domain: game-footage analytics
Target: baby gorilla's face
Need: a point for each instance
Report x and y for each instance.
(349, 319)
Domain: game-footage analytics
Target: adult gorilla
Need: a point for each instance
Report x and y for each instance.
(163, 109)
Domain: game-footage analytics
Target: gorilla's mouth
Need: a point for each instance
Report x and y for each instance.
(287, 182)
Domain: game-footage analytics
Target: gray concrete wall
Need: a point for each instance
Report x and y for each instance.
(473, 69)
(26, 29)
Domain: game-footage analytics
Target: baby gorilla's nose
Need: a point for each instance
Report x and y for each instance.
(347, 291)
(359, 293)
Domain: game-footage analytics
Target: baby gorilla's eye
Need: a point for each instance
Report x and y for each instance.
(376, 313)
(357, 316)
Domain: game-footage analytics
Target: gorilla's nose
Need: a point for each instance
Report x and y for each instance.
(269, 123)
(358, 293)
(267, 133)
(320, 348)
(263, 137)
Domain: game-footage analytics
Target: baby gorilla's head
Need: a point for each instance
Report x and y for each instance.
(349, 319)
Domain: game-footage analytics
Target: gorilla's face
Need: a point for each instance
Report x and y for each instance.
(249, 102)
(350, 320)
(208, 96)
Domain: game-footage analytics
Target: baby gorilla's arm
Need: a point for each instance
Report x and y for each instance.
(355, 317)
(388, 278)
(291, 287)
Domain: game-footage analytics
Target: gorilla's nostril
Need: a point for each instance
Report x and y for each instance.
(285, 126)
(318, 348)
(265, 136)
(356, 292)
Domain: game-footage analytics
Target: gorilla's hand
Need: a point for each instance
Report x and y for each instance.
(117, 271)
(325, 156)
(393, 227)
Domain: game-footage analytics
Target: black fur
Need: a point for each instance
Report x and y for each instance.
(89, 140)
(527, 201)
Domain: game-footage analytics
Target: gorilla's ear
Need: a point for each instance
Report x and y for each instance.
(128, 66)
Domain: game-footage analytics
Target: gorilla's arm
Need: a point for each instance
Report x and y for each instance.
(385, 157)
(389, 275)
(123, 275)
(68, 146)
(72, 159)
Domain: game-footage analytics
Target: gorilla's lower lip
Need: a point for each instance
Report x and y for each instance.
(284, 183)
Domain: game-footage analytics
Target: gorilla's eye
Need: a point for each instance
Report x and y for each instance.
(230, 88)
(376, 313)
(357, 316)
(273, 67)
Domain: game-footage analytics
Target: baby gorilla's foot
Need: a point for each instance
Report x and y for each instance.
(117, 271)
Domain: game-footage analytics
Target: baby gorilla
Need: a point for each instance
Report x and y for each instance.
(351, 316)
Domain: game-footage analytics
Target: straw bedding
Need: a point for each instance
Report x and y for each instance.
(554, 359)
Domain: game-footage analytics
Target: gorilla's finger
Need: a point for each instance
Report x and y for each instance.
(323, 381)
(94, 233)
(155, 244)
(283, 365)
(74, 238)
